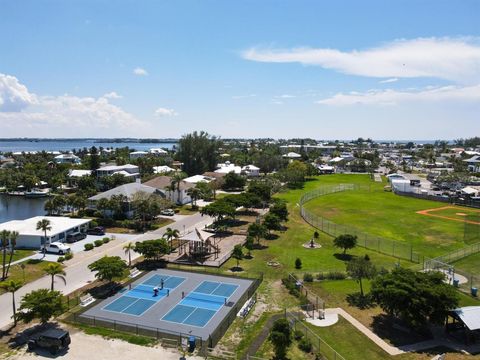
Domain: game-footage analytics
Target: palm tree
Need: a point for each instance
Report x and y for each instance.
(12, 286)
(176, 180)
(194, 193)
(13, 243)
(55, 269)
(128, 251)
(4, 237)
(44, 225)
(171, 234)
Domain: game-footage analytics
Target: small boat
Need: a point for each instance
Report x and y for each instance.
(35, 193)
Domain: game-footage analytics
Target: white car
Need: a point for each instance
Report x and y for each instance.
(57, 248)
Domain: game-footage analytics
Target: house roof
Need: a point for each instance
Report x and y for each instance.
(292, 155)
(58, 224)
(250, 168)
(79, 173)
(197, 178)
(162, 169)
(470, 316)
(127, 190)
(117, 167)
(162, 182)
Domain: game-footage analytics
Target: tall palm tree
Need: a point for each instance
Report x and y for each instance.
(194, 194)
(177, 179)
(4, 238)
(13, 242)
(55, 269)
(44, 225)
(171, 234)
(12, 286)
(128, 251)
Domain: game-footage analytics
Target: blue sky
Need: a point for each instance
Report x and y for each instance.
(322, 69)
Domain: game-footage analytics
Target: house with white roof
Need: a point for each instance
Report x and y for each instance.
(292, 155)
(251, 170)
(138, 154)
(31, 238)
(197, 179)
(164, 169)
(67, 159)
(227, 167)
(473, 163)
(158, 152)
(127, 170)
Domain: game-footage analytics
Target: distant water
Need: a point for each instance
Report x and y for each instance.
(20, 208)
(67, 145)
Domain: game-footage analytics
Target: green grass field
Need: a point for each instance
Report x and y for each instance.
(469, 264)
(388, 215)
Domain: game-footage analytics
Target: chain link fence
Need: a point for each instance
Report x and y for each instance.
(380, 244)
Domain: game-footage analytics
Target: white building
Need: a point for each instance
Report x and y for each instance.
(228, 167)
(158, 152)
(197, 178)
(292, 155)
(67, 159)
(127, 170)
(138, 154)
(251, 170)
(31, 238)
(162, 169)
(179, 195)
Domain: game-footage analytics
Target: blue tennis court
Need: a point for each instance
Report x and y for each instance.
(200, 305)
(141, 298)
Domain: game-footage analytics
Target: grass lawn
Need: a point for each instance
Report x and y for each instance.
(469, 264)
(34, 269)
(17, 255)
(388, 215)
(185, 210)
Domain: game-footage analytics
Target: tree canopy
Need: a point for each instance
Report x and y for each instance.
(152, 249)
(415, 297)
(198, 152)
(108, 268)
(41, 304)
(361, 268)
(345, 242)
(280, 337)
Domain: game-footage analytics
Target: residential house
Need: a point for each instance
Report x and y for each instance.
(227, 167)
(473, 163)
(251, 170)
(127, 170)
(162, 169)
(75, 174)
(137, 154)
(67, 159)
(178, 196)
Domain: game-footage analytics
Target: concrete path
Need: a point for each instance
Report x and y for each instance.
(78, 274)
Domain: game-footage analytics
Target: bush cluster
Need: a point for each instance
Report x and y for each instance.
(332, 275)
(88, 247)
(305, 345)
(98, 243)
(69, 256)
(293, 290)
(60, 259)
(307, 277)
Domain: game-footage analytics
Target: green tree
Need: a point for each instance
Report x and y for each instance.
(194, 194)
(128, 248)
(171, 234)
(237, 254)
(298, 263)
(416, 297)
(361, 268)
(232, 181)
(257, 231)
(41, 304)
(279, 208)
(12, 286)
(219, 210)
(345, 242)
(281, 338)
(13, 243)
(198, 152)
(55, 270)
(108, 268)
(260, 188)
(249, 245)
(272, 222)
(152, 249)
(45, 226)
(4, 238)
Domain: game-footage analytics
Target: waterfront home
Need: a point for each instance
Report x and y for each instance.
(128, 192)
(67, 159)
(31, 238)
(75, 174)
(138, 154)
(179, 195)
(127, 170)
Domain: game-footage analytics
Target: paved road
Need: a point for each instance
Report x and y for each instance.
(78, 274)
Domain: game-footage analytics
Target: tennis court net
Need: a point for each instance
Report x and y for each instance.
(207, 298)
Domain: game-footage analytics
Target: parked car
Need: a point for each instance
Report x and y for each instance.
(54, 340)
(57, 248)
(74, 237)
(167, 212)
(97, 230)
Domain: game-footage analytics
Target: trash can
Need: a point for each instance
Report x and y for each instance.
(455, 282)
(191, 343)
(474, 291)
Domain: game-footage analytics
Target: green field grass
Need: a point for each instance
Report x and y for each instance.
(469, 264)
(385, 214)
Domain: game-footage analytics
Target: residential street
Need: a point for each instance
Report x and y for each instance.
(78, 274)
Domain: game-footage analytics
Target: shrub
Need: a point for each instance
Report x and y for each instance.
(298, 263)
(105, 240)
(88, 247)
(332, 275)
(69, 256)
(60, 259)
(305, 345)
(98, 243)
(297, 335)
(307, 277)
(93, 223)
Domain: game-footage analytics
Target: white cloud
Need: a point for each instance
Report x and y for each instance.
(386, 81)
(393, 97)
(13, 95)
(112, 95)
(140, 71)
(164, 112)
(236, 97)
(454, 59)
(285, 96)
(63, 115)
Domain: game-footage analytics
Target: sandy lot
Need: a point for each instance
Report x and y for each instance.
(90, 347)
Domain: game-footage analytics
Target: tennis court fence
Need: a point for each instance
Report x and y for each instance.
(380, 244)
